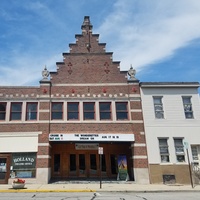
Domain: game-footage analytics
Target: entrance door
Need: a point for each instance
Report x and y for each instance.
(4, 170)
(93, 167)
(82, 165)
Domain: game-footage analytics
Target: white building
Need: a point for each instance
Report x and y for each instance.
(171, 112)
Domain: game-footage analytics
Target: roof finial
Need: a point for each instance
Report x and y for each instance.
(131, 73)
(86, 26)
(45, 73)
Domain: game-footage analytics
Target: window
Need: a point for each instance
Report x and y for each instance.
(164, 152)
(57, 111)
(179, 149)
(73, 111)
(2, 111)
(24, 165)
(88, 111)
(31, 111)
(16, 111)
(187, 105)
(158, 107)
(195, 156)
(121, 111)
(105, 110)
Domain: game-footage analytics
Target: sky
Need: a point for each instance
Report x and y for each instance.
(159, 38)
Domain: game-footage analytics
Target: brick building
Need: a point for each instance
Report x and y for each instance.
(58, 129)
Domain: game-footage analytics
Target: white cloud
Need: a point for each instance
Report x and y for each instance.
(144, 32)
(139, 32)
(24, 72)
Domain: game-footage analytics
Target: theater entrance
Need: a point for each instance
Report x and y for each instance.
(70, 162)
(84, 165)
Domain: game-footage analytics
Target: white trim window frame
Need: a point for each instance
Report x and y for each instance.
(195, 149)
(158, 107)
(187, 106)
(164, 150)
(179, 150)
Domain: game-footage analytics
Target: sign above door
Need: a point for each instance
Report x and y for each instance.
(92, 137)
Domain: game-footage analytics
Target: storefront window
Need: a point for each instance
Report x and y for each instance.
(23, 165)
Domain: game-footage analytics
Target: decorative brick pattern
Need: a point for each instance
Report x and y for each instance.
(86, 74)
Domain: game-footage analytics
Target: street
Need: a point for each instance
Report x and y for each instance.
(101, 196)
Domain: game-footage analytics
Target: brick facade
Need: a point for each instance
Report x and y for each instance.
(87, 74)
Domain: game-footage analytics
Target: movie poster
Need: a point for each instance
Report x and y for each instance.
(122, 167)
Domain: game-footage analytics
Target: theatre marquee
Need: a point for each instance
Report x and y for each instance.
(92, 137)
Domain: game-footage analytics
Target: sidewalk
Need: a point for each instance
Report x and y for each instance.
(105, 187)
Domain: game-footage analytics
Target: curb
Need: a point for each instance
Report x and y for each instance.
(40, 190)
(88, 190)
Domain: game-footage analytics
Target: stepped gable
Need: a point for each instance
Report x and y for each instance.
(87, 61)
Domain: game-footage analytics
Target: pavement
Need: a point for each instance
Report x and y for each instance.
(118, 186)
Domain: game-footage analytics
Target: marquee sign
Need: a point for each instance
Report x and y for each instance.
(92, 137)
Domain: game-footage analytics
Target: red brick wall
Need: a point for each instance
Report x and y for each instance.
(84, 71)
(135, 105)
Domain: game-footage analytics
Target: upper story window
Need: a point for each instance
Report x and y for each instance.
(105, 110)
(121, 110)
(158, 107)
(57, 110)
(2, 111)
(179, 149)
(73, 111)
(16, 111)
(31, 111)
(88, 110)
(164, 151)
(187, 105)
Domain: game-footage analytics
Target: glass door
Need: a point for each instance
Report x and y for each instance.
(82, 165)
(4, 172)
(93, 165)
(72, 163)
(56, 168)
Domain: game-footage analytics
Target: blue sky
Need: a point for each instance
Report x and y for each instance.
(161, 39)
